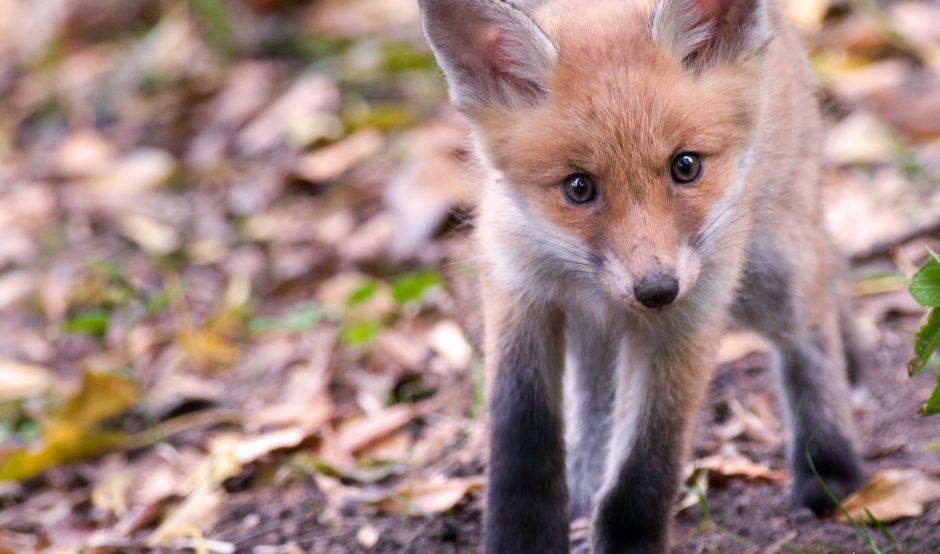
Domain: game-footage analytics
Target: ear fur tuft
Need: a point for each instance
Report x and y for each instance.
(704, 33)
(491, 52)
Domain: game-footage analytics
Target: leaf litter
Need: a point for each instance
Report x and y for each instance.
(236, 284)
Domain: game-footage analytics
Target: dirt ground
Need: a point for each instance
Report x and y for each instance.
(743, 516)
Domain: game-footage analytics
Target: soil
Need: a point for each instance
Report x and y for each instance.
(742, 517)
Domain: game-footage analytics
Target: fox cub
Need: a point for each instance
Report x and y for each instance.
(652, 173)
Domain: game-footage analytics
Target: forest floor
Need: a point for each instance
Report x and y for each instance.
(238, 307)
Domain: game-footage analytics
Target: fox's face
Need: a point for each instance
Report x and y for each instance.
(620, 134)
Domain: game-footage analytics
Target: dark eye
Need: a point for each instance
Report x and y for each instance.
(686, 167)
(579, 188)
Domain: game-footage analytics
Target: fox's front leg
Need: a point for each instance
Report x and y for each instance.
(526, 509)
(658, 397)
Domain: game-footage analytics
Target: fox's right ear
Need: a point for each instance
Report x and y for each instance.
(490, 51)
(703, 33)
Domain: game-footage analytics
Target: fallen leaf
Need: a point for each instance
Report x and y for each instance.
(202, 494)
(807, 14)
(329, 163)
(860, 138)
(738, 344)
(206, 347)
(138, 171)
(19, 380)
(83, 153)
(357, 435)
(249, 449)
(429, 497)
(893, 494)
(154, 237)
(312, 98)
(448, 341)
(71, 433)
(724, 467)
(15, 286)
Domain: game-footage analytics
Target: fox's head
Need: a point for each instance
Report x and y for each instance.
(619, 133)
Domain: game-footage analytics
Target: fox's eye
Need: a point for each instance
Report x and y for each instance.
(579, 188)
(686, 167)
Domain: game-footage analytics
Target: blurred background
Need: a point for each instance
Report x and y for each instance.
(237, 295)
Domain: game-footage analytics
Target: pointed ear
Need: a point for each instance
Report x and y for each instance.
(490, 51)
(704, 33)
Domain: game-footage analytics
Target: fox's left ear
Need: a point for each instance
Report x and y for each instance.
(491, 52)
(704, 33)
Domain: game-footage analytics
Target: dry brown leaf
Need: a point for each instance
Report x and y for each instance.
(310, 101)
(738, 344)
(357, 435)
(329, 163)
(427, 187)
(83, 153)
(154, 237)
(429, 497)
(302, 414)
(757, 422)
(359, 17)
(202, 494)
(197, 513)
(854, 84)
(448, 341)
(723, 467)
(136, 172)
(249, 449)
(893, 494)
(403, 348)
(18, 380)
(15, 286)
(860, 138)
(807, 14)
(395, 447)
(372, 239)
(112, 492)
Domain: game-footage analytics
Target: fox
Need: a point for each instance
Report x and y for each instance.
(651, 176)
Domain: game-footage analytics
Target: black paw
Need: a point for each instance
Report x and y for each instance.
(836, 465)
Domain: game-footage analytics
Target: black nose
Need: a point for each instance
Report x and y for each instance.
(657, 290)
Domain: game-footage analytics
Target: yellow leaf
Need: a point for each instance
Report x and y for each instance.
(893, 494)
(66, 443)
(70, 434)
(203, 346)
(101, 396)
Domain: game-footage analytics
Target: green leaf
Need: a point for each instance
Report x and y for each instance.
(925, 343)
(361, 333)
(933, 403)
(363, 293)
(414, 286)
(214, 16)
(90, 322)
(303, 317)
(925, 285)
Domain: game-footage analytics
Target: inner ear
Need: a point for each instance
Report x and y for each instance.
(702, 33)
(490, 51)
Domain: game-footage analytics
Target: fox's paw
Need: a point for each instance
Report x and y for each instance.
(836, 465)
